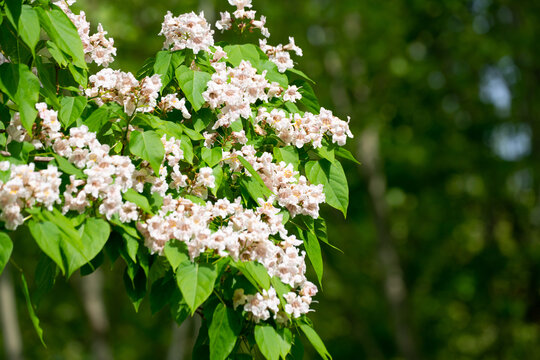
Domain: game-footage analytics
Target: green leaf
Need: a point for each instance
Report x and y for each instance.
(67, 247)
(346, 154)
(237, 53)
(211, 157)
(13, 11)
(48, 237)
(255, 272)
(72, 108)
(218, 176)
(161, 293)
(268, 340)
(136, 288)
(44, 278)
(309, 99)
(313, 249)
(272, 73)
(300, 74)
(316, 341)
(196, 282)
(223, 332)
(288, 154)
(63, 33)
(131, 245)
(22, 86)
(325, 153)
(138, 199)
(6, 247)
(98, 118)
(194, 135)
(31, 312)
(166, 64)
(193, 84)
(332, 177)
(187, 148)
(285, 341)
(148, 146)
(29, 28)
(255, 175)
(202, 119)
(176, 253)
(68, 168)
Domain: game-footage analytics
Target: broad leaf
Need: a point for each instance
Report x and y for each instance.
(72, 108)
(268, 340)
(193, 84)
(22, 86)
(346, 154)
(288, 154)
(63, 33)
(211, 156)
(165, 65)
(332, 177)
(196, 282)
(29, 28)
(6, 247)
(140, 200)
(68, 168)
(176, 253)
(223, 332)
(255, 272)
(237, 53)
(148, 146)
(313, 249)
(316, 341)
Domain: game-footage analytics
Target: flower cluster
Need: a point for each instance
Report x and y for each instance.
(309, 128)
(27, 188)
(293, 191)
(116, 86)
(242, 18)
(187, 31)
(233, 90)
(170, 102)
(280, 55)
(97, 47)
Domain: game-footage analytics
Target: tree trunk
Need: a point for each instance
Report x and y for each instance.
(394, 285)
(11, 333)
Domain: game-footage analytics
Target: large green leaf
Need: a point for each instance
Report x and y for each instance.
(255, 272)
(196, 282)
(70, 250)
(268, 340)
(316, 341)
(313, 249)
(166, 64)
(309, 99)
(138, 199)
(6, 247)
(13, 11)
(288, 154)
(176, 253)
(223, 332)
(211, 156)
(72, 108)
(332, 177)
(148, 146)
(63, 33)
(237, 53)
(29, 28)
(31, 312)
(22, 86)
(193, 84)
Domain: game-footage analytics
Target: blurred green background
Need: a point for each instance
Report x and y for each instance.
(441, 248)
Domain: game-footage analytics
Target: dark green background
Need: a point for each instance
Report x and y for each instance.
(447, 89)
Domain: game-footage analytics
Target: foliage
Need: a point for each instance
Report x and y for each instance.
(214, 158)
